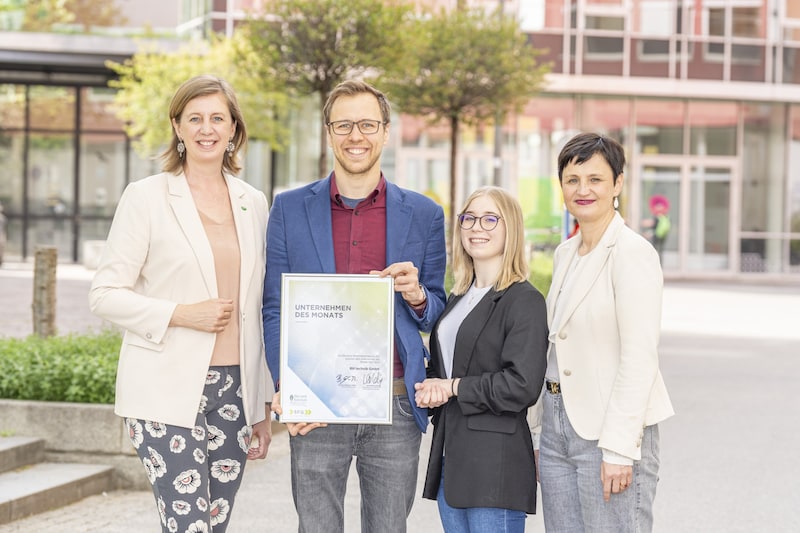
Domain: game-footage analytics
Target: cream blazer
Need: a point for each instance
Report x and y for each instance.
(157, 255)
(607, 342)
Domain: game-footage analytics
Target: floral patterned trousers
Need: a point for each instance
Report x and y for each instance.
(196, 472)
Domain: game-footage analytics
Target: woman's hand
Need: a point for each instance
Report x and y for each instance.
(261, 437)
(615, 478)
(211, 315)
(433, 392)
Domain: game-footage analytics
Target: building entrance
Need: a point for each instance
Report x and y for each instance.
(688, 208)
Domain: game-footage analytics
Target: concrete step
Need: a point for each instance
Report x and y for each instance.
(33, 489)
(20, 451)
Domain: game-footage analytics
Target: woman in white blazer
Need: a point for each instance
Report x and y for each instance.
(182, 273)
(604, 395)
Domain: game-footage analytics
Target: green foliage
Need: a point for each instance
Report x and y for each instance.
(466, 64)
(310, 46)
(73, 368)
(148, 80)
(541, 275)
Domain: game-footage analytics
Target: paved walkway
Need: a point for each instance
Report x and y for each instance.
(730, 355)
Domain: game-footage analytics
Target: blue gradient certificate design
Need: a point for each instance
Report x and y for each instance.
(337, 348)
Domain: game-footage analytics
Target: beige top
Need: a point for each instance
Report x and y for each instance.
(227, 259)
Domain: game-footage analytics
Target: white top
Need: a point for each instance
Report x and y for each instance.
(450, 324)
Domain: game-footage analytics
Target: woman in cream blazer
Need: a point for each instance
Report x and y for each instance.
(604, 394)
(182, 273)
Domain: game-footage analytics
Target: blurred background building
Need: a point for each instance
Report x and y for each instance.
(703, 94)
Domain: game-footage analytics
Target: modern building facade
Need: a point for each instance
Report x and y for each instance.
(703, 94)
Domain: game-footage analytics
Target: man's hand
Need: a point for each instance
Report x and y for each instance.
(294, 428)
(406, 281)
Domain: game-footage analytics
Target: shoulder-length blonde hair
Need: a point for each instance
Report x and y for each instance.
(515, 265)
(192, 88)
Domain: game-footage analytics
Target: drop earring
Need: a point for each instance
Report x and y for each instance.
(230, 147)
(616, 202)
(181, 148)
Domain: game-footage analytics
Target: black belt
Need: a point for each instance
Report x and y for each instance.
(553, 387)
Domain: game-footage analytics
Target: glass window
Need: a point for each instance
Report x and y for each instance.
(11, 173)
(607, 116)
(50, 174)
(794, 186)
(52, 108)
(12, 106)
(763, 192)
(709, 218)
(102, 167)
(713, 127)
(96, 110)
(659, 126)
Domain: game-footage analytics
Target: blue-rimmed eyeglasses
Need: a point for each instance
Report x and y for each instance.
(366, 126)
(488, 222)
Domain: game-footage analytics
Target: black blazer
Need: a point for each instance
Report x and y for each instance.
(501, 358)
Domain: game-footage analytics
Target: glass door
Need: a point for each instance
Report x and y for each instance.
(686, 208)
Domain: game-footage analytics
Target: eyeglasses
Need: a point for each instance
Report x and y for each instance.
(488, 222)
(366, 126)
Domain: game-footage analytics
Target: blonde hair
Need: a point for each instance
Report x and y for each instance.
(192, 88)
(515, 266)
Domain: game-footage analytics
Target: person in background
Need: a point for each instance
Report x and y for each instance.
(355, 221)
(182, 273)
(488, 359)
(604, 395)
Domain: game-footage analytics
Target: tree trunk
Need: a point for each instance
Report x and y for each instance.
(44, 291)
(454, 125)
(323, 140)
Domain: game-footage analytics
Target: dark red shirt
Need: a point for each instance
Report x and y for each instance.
(359, 237)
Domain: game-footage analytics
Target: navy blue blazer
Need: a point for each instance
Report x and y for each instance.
(300, 240)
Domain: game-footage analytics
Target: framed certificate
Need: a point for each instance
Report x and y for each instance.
(337, 348)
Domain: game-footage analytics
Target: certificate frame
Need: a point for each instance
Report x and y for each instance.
(336, 348)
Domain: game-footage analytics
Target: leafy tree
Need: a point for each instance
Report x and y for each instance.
(469, 65)
(312, 45)
(148, 80)
(88, 13)
(42, 15)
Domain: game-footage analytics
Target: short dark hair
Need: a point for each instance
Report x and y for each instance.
(583, 146)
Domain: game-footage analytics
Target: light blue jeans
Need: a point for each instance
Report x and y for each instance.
(572, 493)
(387, 459)
(478, 519)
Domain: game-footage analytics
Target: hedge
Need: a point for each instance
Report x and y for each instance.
(72, 368)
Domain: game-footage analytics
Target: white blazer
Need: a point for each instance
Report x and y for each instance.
(157, 256)
(607, 341)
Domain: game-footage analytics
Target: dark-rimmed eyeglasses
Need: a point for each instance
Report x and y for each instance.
(366, 126)
(488, 222)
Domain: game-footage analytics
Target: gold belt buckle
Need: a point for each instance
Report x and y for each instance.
(553, 387)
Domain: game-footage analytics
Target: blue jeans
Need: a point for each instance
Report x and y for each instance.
(572, 493)
(478, 519)
(387, 459)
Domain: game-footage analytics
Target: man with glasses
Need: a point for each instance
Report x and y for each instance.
(356, 222)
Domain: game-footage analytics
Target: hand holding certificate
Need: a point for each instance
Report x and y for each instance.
(336, 348)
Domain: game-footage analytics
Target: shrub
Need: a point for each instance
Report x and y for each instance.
(541, 271)
(72, 368)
